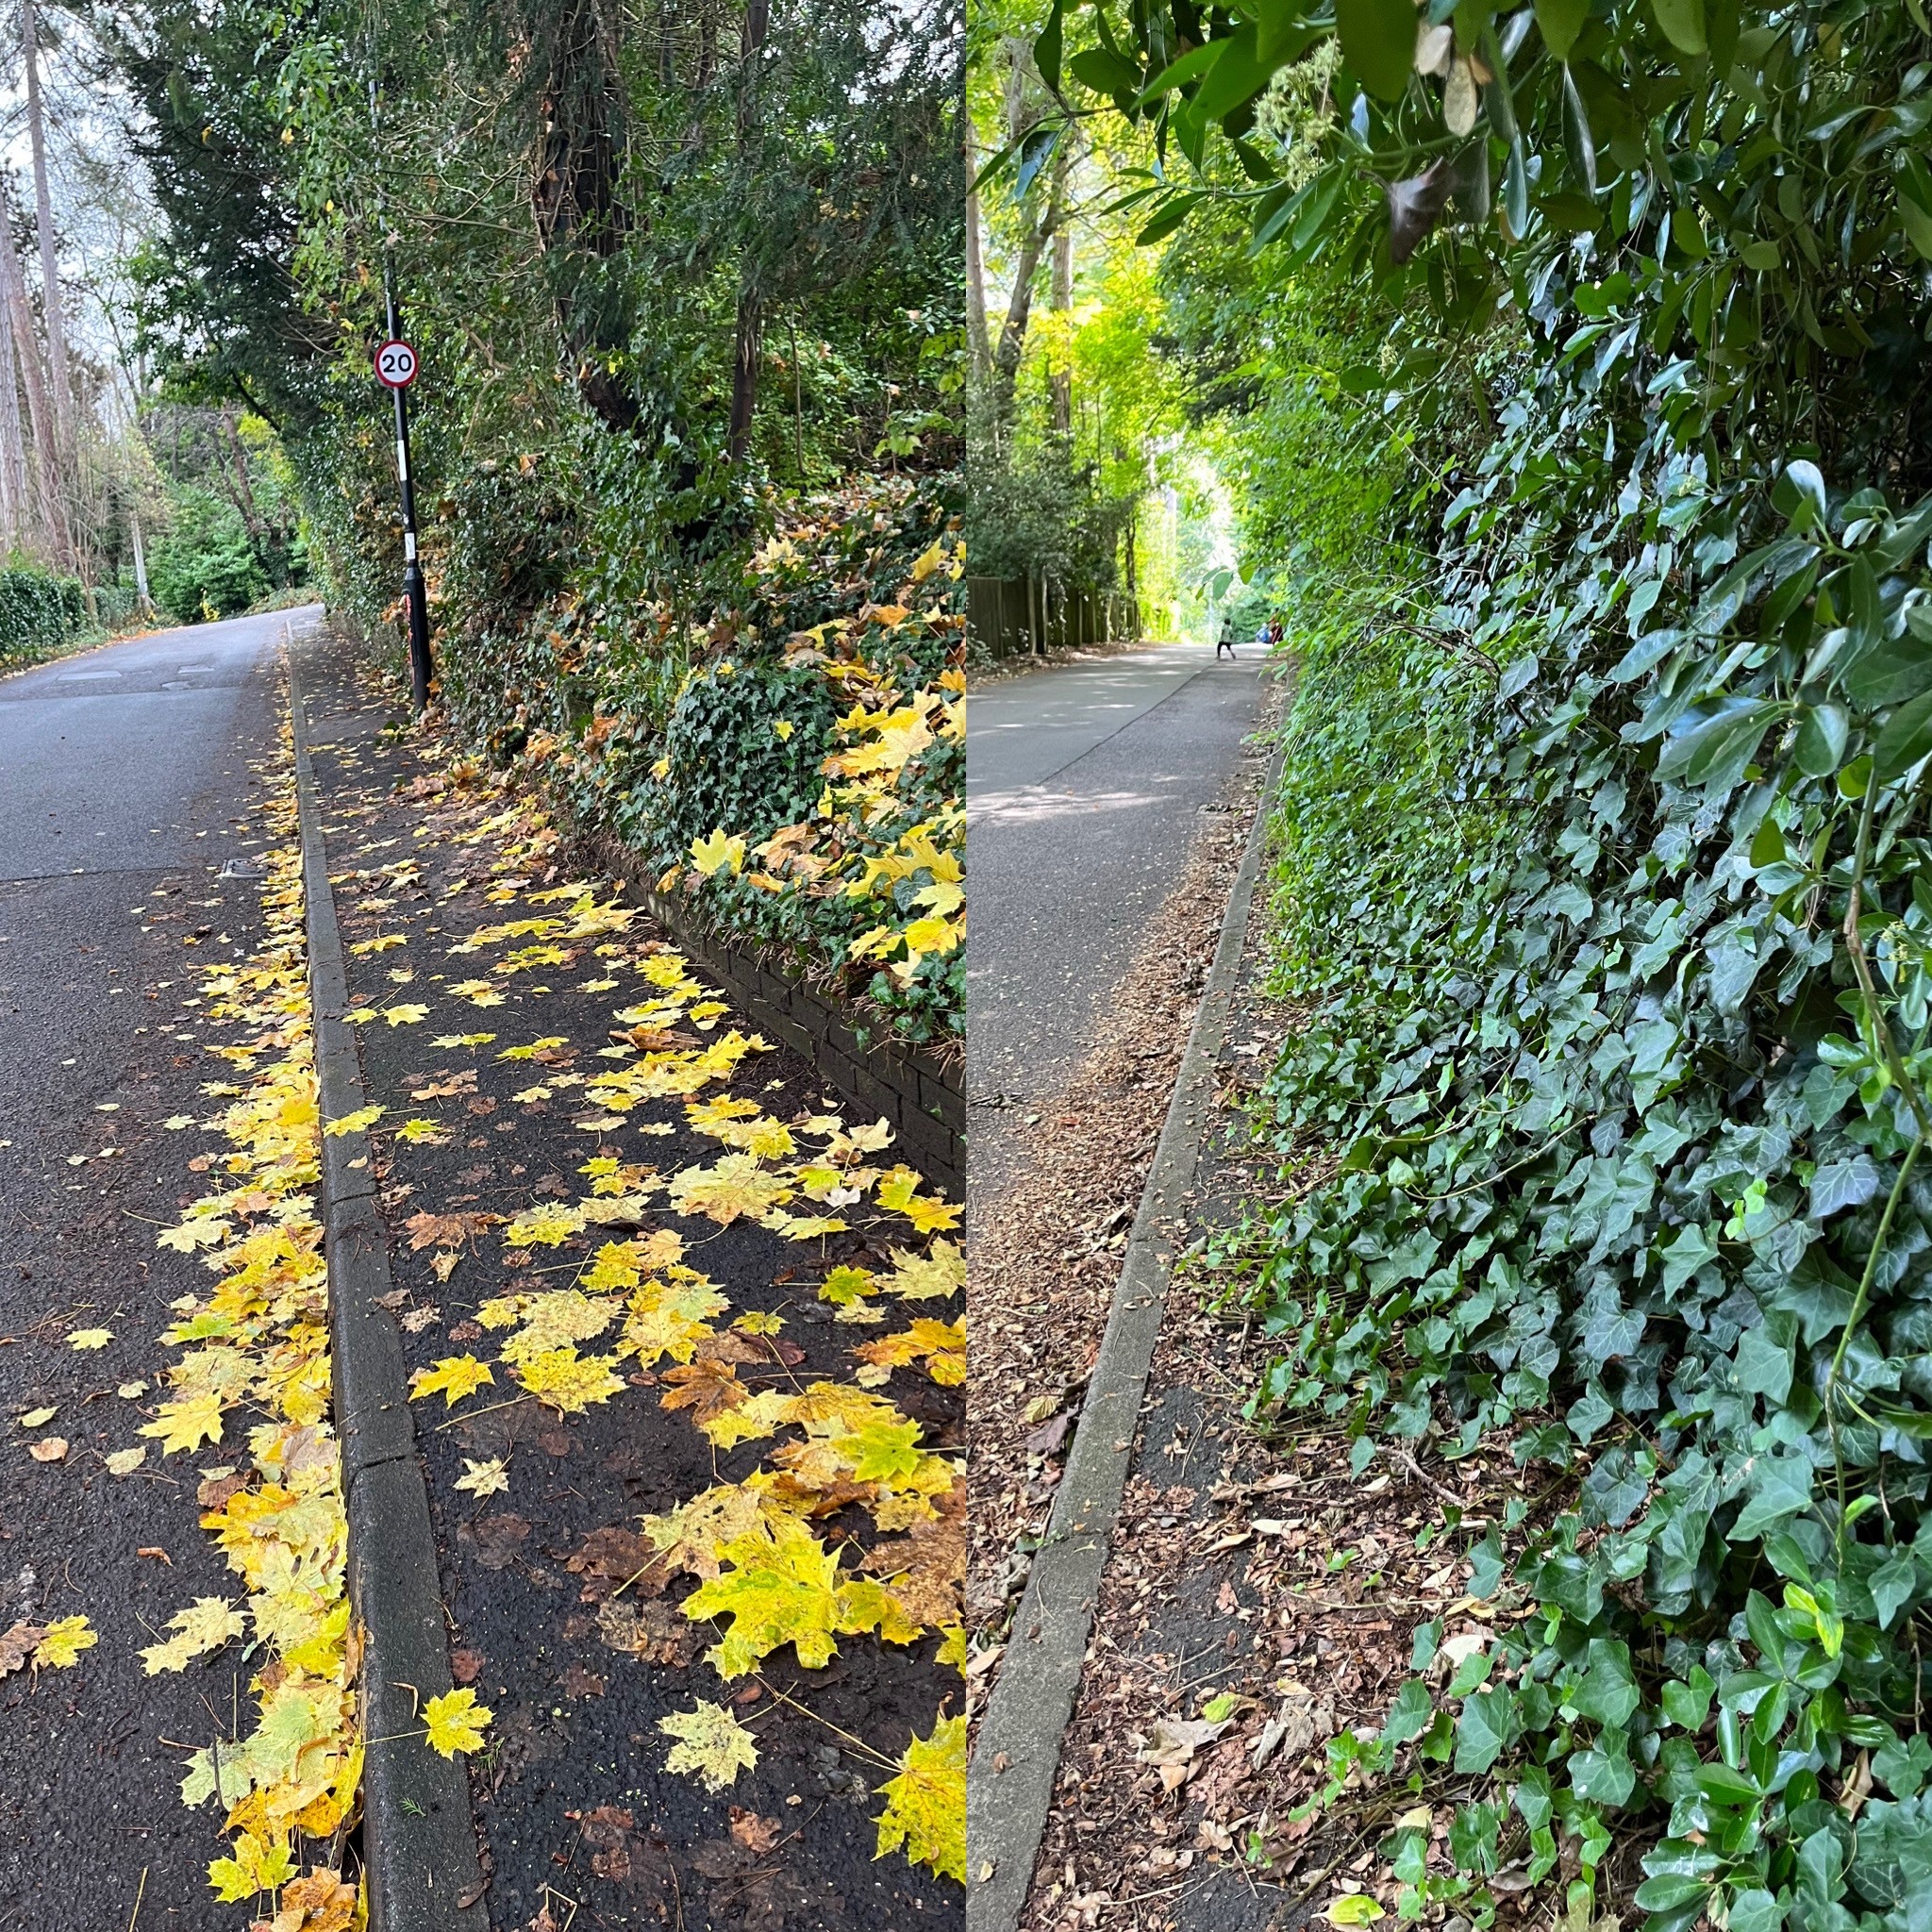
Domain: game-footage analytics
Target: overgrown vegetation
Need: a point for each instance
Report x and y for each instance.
(683, 286)
(41, 615)
(1606, 881)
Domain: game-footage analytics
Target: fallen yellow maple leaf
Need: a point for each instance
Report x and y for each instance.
(456, 1377)
(456, 1721)
(710, 1743)
(187, 1424)
(925, 1805)
(357, 1122)
(719, 850)
(191, 1235)
(63, 1641)
(85, 1339)
(258, 1865)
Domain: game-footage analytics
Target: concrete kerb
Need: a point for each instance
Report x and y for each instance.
(418, 1836)
(1016, 1755)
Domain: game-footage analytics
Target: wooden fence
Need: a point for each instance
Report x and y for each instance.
(1012, 618)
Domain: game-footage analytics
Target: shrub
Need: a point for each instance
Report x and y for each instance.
(40, 614)
(205, 563)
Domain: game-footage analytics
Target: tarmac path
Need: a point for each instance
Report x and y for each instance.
(129, 828)
(1085, 783)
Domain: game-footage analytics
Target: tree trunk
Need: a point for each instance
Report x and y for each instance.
(54, 309)
(1012, 342)
(745, 370)
(230, 437)
(797, 403)
(49, 521)
(749, 336)
(16, 504)
(1060, 298)
(978, 337)
(144, 597)
(575, 197)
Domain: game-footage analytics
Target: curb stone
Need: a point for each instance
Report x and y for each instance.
(1016, 1756)
(419, 1838)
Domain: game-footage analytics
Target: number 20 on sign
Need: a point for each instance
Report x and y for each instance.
(395, 365)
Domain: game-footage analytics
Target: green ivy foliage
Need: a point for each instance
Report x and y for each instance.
(1608, 883)
(41, 614)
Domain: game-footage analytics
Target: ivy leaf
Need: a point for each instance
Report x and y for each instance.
(1844, 1183)
(1893, 1585)
(1489, 1725)
(926, 1804)
(1780, 1488)
(1601, 1777)
(1408, 1716)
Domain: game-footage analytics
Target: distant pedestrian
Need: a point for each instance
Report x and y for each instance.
(1226, 642)
(1275, 630)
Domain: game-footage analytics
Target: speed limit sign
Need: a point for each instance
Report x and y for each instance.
(395, 365)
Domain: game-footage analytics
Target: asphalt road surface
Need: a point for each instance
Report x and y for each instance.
(1085, 787)
(129, 823)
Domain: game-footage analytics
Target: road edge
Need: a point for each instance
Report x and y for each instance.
(1016, 1755)
(419, 1837)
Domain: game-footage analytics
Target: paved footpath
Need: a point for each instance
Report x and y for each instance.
(130, 824)
(1085, 787)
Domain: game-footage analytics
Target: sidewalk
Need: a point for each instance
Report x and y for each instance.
(690, 1437)
(1257, 1599)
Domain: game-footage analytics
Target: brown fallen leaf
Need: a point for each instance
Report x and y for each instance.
(465, 1665)
(1051, 1434)
(708, 1388)
(757, 1834)
(159, 1554)
(925, 1569)
(49, 1449)
(215, 1491)
(615, 1559)
(18, 1644)
(652, 1632)
(578, 1682)
(427, 1230)
(496, 1539)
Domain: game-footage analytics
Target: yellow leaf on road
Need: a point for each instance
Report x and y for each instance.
(456, 1721)
(85, 1339)
(191, 1235)
(357, 1122)
(712, 1743)
(456, 1377)
(64, 1641)
(925, 1805)
(187, 1424)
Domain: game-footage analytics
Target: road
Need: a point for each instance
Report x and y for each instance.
(1085, 783)
(126, 794)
